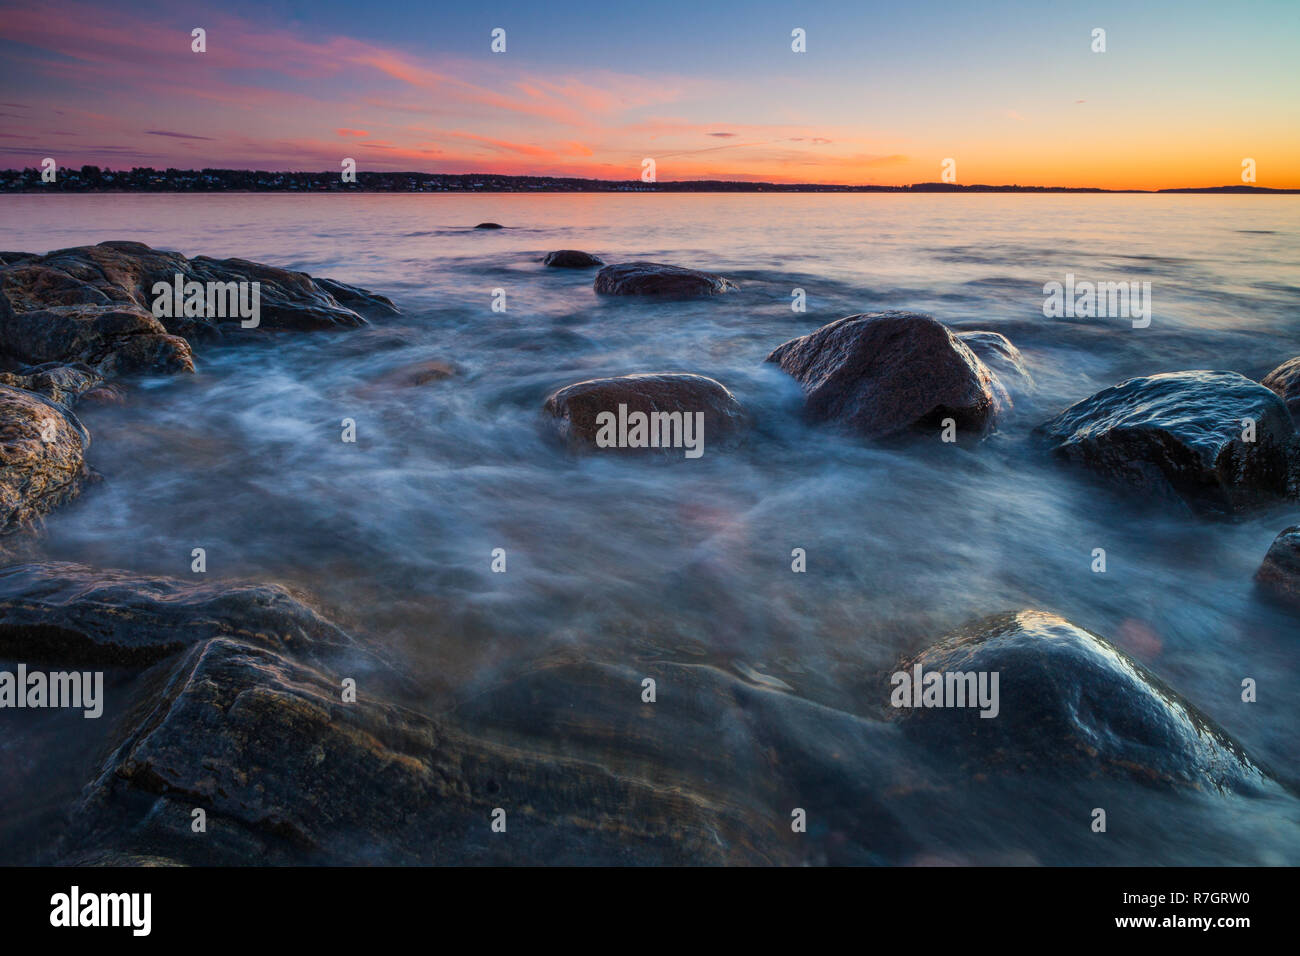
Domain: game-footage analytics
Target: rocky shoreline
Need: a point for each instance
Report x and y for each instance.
(237, 702)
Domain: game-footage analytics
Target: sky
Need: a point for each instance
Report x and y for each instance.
(883, 94)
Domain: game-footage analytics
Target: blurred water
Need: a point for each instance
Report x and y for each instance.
(690, 560)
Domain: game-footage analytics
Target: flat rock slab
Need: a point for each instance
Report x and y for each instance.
(883, 373)
(665, 398)
(1071, 703)
(656, 279)
(289, 773)
(1279, 575)
(59, 612)
(1180, 435)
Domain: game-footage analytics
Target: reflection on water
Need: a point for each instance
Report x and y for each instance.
(627, 559)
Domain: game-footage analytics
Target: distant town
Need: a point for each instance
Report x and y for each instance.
(148, 179)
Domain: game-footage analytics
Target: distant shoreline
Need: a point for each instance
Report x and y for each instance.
(91, 179)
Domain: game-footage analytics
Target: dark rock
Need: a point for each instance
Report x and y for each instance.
(13, 258)
(61, 383)
(574, 408)
(42, 456)
(113, 340)
(572, 259)
(489, 225)
(1071, 703)
(113, 282)
(1279, 575)
(288, 772)
(882, 373)
(1285, 381)
(58, 612)
(359, 300)
(655, 279)
(1179, 434)
(1002, 359)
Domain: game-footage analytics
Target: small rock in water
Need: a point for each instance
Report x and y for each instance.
(489, 225)
(572, 259)
(1279, 575)
(656, 279)
(1066, 702)
(636, 410)
(1215, 440)
(1285, 381)
(882, 373)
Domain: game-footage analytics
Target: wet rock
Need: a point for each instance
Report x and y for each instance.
(883, 373)
(119, 278)
(1279, 575)
(1070, 703)
(59, 612)
(60, 383)
(13, 258)
(111, 339)
(574, 409)
(42, 456)
(656, 279)
(288, 772)
(359, 300)
(1002, 359)
(1285, 381)
(489, 225)
(1180, 435)
(572, 259)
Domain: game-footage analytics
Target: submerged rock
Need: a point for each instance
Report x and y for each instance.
(1279, 575)
(575, 409)
(42, 456)
(1002, 359)
(1181, 434)
(59, 612)
(656, 279)
(1285, 381)
(1069, 702)
(882, 373)
(287, 771)
(572, 259)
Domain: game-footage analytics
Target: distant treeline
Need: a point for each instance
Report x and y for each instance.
(148, 179)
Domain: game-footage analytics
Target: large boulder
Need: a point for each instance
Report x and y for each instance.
(572, 259)
(42, 456)
(111, 339)
(656, 279)
(108, 290)
(667, 399)
(882, 373)
(1285, 381)
(1183, 435)
(1068, 702)
(1279, 575)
